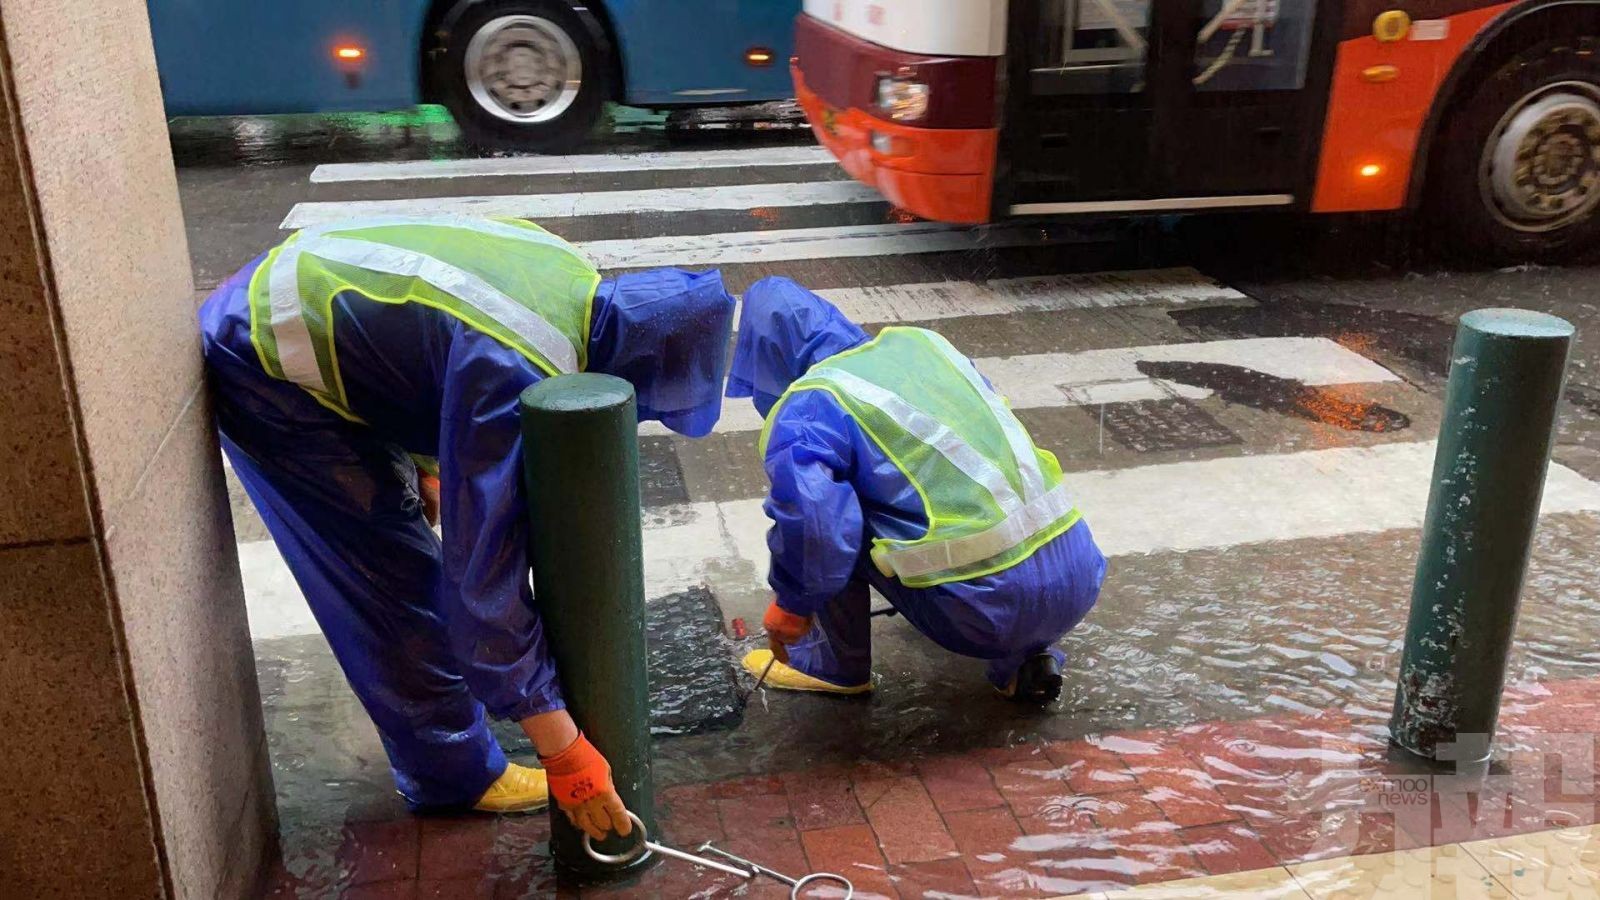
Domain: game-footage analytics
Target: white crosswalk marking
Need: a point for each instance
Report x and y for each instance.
(1032, 381)
(1198, 505)
(591, 203)
(952, 299)
(814, 243)
(571, 165)
(272, 599)
(1206, 503)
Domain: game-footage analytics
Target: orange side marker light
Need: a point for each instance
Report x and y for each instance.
(349, 52)
(1370, 170)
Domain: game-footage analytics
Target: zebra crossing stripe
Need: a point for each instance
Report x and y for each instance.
(1175, 507)
(816, 243)
(591, 203)
(409, 170)
(1092, 377)
(1046, 293)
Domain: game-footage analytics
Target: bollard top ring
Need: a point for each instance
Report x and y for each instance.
(578, 392)
(620, 859)
(1518, 323)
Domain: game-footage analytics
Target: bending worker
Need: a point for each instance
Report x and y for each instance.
(351, 354)
(894, 464)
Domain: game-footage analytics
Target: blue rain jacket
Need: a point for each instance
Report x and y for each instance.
(431, 636)
(833, 490)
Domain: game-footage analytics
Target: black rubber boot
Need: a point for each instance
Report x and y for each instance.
(1038, 681)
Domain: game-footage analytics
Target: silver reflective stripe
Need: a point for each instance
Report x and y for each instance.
(466, 223)
(922, 560)
(1021, 445)
(296, 355)
(930, 432)
(458, 283)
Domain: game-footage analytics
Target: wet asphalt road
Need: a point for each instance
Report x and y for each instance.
(1273, 378)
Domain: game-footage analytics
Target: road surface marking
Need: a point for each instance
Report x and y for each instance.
(1175, 507)
(272, 599)
(571, 165)
(816, 243)
(591, 203)
(952, 299)
(1094, 377)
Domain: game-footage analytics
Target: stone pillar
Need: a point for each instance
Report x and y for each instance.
(133, 762)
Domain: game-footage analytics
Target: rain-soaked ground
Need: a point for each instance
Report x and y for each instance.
(428, 132)
(1225, 703)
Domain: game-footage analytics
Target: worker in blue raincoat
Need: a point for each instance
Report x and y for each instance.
(894, 464)
(350, 360)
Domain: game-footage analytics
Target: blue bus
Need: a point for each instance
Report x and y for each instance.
(531, 74)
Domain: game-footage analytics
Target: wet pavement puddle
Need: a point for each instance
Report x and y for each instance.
(1156, 426)
(1259, 390)
(1421, 339)
(1201, 732)
(1584, 397)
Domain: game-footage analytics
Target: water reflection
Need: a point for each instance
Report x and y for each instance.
(428, 132)
(1223, 708)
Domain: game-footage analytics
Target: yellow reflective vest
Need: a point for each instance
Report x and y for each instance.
(507, 278)
(991, 496)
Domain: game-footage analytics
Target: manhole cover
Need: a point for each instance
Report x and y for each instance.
(1153, 426)
(693, 685)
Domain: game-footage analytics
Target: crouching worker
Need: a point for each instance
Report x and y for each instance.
(342, 360)
(893, 463)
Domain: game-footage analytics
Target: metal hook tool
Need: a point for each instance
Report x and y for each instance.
(796, 885)
(750, 870)
(645, 845)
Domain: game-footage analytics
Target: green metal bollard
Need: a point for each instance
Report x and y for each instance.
(1488, 477)
(581, 470)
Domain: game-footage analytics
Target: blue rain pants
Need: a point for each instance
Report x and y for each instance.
(434, 637)
(834, 490)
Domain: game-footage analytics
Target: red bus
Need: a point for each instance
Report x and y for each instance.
(1487, 114)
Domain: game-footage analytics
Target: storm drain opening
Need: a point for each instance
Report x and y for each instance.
(694, 687)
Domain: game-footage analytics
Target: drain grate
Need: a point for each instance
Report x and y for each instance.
(1154, 426)
(693, 684)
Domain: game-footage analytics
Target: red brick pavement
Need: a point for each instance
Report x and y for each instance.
(1036, 820)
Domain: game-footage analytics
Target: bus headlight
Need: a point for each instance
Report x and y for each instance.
(904, 99)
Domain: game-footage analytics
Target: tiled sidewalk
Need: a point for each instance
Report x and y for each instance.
(1043, 820)
(1562, 864)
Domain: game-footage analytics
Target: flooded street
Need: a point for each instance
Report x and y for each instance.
(1245, 410)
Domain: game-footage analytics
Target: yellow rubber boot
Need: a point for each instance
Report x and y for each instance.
(787, 678)
(518, 789)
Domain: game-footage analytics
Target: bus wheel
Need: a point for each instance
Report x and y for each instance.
(523, 74)
(1519, 176)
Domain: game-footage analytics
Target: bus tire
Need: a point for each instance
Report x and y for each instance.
(523, 75)
(1519, 175)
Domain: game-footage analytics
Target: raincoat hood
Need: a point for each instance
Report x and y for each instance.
(784, 331)
(666, 332)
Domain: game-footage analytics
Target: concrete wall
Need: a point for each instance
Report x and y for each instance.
(135, 764)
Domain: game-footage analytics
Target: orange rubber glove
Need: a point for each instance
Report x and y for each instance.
(428, 487)
(580, 784)
(784, 627)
